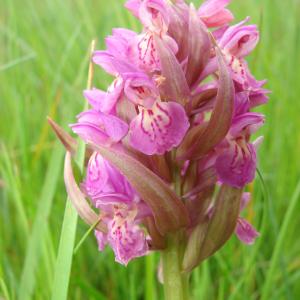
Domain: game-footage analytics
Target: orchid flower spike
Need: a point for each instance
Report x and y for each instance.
(170, 140)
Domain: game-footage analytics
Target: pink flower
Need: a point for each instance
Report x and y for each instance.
(176, 114)
(121, 207)
(154, 15)
(239, 40)
(236, 164)
(125, 237)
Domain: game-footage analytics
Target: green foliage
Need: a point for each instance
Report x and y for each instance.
(43, 70)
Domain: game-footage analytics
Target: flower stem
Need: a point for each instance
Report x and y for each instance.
(175, 283)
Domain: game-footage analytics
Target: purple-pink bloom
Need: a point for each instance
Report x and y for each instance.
(107, 187)
(125, 237)
(178, 109)
(154, 15)
(236, 164)
(239, 40)
(121, 207)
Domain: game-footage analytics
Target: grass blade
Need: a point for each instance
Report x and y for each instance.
(67, 238)
(36, 239)
(4, 289)
(268, 286)
(65, 254)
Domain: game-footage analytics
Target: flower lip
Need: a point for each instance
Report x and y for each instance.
(159, 129)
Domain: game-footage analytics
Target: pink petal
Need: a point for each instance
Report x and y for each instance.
(117, 44)
(90, 133)
(95, 97)
(258, 96)
(250, 121)
(97, 176)
(123, 33)
(127, 240)
(99, 128)
(179, 26)
(105, 60)
(214, 14)
(107, 187)
(133, 6)
(114, 127)
(219, 19)
(157, 130)
(143, 53)
(241, 102)
(140, 90)
(210, 7)
(240, 72)
(246, 232)
(239, 40)
(105, 101)
(236, 166)
(154, 15)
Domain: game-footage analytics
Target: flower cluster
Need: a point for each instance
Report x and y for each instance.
(179, 108)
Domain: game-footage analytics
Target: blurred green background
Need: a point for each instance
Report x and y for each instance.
(43, 70)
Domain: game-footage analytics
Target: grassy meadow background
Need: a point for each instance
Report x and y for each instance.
(43, 70)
